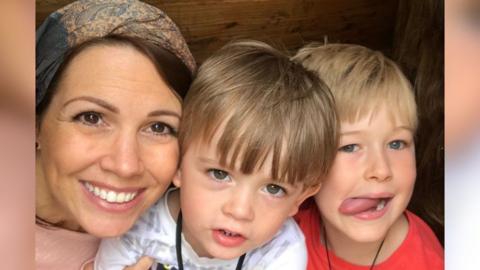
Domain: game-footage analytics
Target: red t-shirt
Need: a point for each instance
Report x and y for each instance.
(419, 250)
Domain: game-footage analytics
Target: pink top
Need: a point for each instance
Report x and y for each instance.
(57, 248)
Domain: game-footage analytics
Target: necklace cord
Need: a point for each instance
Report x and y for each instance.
(178, 245)
(324, 232)
(178, 241)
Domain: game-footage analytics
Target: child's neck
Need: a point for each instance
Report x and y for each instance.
(363, 253)
(174, 206)
(173, 202)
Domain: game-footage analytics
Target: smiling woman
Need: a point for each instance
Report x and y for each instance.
(109, 103)
(102, 131)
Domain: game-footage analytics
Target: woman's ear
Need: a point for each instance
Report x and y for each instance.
(308, 192)
(177, 178)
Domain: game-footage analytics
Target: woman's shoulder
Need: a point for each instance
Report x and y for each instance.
(57, 248)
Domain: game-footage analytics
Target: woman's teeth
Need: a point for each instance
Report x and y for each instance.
(381, 205)
(110, 195)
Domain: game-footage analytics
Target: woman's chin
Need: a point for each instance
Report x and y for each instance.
(108, 228)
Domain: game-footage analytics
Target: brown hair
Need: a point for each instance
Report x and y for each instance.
(361, 80)
(170, 68)
(266, 104)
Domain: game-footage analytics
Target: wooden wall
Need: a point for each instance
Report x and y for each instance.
(286, 24)
(419, 49)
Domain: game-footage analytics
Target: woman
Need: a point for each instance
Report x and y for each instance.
(110, 79)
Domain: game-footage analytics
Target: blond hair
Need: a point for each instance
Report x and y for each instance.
(268, 105)
(362, 80)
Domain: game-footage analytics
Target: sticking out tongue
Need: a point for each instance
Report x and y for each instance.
(355, 206)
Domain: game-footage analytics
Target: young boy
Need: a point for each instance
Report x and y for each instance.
(257, 135)
(360, 219)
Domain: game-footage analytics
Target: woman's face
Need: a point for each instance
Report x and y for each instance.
(107, 142)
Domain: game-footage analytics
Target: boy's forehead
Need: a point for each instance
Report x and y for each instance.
(388, 114)
(210, 153)
(225, 143)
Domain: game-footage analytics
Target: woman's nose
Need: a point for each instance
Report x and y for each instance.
(123, 156)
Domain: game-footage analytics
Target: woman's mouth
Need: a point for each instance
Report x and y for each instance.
(108, 195)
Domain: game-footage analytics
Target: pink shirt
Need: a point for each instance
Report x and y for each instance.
(57, 248)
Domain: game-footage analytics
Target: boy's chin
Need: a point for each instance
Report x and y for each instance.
(370, 238)
(367, 234)
(226, 254)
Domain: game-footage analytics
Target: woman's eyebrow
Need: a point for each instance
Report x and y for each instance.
(99, 102)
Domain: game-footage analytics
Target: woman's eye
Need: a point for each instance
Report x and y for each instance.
(159, 128)
(349, 148)
(275, 190)
(89, 118)
(397, 144)
(219, 175)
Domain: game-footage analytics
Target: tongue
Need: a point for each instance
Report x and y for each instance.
(355, 206)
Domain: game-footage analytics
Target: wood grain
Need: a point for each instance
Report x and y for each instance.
(286, 24)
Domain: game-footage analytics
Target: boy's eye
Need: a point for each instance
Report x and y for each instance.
(89, 118)
(219, 175)
(275, 190)
(397, 144)
(349, 148)
(159, 128)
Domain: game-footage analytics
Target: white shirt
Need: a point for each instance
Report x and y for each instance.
(154, 235)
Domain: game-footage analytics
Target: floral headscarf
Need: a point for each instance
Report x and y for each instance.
(86, 19)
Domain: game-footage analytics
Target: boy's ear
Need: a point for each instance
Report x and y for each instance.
(310, 191)
(177, 178)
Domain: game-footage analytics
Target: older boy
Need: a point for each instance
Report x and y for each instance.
(360, 219)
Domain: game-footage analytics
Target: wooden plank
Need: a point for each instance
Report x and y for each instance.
(419, 49)
(288, 24)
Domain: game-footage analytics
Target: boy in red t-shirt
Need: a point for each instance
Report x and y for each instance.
(359, 219)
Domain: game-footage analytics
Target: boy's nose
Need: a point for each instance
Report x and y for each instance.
(378, 168)
(239, 206)
(123, 157)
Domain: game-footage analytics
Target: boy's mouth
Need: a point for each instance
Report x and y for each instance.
(359, 205)
(229, 234)
(228, 238)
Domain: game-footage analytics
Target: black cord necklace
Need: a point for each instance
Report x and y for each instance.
(178, 245)
(324, 231)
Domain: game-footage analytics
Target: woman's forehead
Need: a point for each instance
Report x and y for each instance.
(119, 71)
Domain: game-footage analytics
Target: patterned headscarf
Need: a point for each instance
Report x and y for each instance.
(87, 19)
